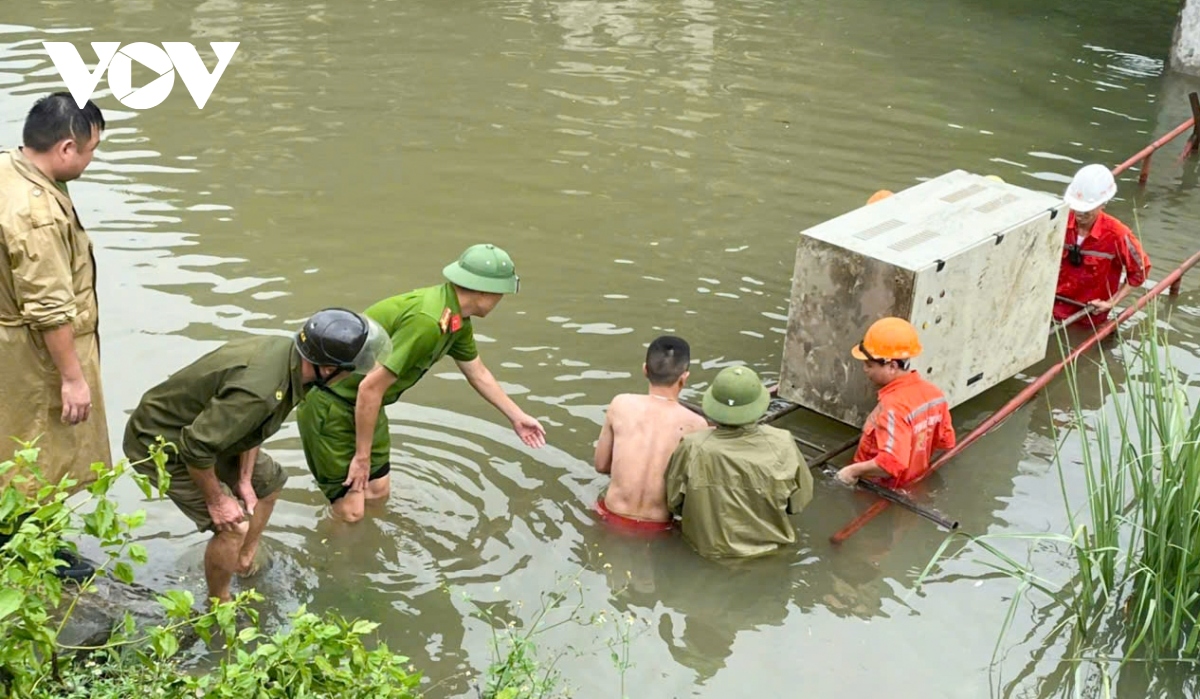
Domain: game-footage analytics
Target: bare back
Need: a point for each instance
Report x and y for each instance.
(646, 429)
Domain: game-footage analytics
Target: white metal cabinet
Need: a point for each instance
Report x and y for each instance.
(971, 262)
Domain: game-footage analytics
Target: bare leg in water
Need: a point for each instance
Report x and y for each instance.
(352, 506)
(258, 523)
(233, 551)
(221, 560)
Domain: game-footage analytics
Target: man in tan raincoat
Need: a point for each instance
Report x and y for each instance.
(736, 484)
(50, 372)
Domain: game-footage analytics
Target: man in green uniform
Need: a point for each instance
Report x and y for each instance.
(344, 429)
(735, 484)
(219, 409)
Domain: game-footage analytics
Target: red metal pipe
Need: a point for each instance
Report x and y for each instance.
(860, 521)
(1023, 397)
(1145, 152)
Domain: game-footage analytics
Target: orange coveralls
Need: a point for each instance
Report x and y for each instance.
(910, 422)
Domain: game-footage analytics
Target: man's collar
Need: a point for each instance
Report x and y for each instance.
(736, 431)
(31, 172)
(452, 299)
(907, 379)
(1100, 228)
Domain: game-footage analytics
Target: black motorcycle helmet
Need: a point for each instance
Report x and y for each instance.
(333, 337)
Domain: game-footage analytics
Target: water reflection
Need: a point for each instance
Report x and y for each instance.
(648, 165)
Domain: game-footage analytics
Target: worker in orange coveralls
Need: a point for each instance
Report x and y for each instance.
(1097, 250)
(912, 418)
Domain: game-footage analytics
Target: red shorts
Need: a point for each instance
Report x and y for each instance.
(630, 525)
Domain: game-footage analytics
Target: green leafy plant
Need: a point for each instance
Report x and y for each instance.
(40, 525)
(519, 670)
(317, 657)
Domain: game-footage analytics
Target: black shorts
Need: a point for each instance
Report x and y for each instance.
(379, 473)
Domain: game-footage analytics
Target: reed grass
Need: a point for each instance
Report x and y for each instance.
(1140, 558)
(1133, 539)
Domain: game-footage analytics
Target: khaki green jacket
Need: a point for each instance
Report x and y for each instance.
(48, 278)
(221, 405)
(735, 487)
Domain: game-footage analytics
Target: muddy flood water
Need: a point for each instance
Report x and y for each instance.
(649, 166)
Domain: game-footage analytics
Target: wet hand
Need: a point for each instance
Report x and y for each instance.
(245, 491)
(360, 472)
(77, 401)
(847, 477)
(531, 432)
(226, 513)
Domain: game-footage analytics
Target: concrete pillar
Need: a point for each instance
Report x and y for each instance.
(1185, 46)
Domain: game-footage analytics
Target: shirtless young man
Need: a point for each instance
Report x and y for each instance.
(639, 435)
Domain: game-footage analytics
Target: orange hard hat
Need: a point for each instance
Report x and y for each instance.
(880, 195)
(887, 339)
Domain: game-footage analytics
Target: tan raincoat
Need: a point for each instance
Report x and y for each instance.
(735, 487)
(49, 278)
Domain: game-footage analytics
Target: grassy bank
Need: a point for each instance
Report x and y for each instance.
(317, 656)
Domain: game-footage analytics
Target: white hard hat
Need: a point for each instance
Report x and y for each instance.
(1093, 186)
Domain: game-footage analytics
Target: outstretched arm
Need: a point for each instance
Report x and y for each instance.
(891, 437)
(863, 469)
(229, 416)
(481, 379)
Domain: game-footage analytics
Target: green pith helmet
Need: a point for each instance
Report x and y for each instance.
(736, 397)
(484, 267)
